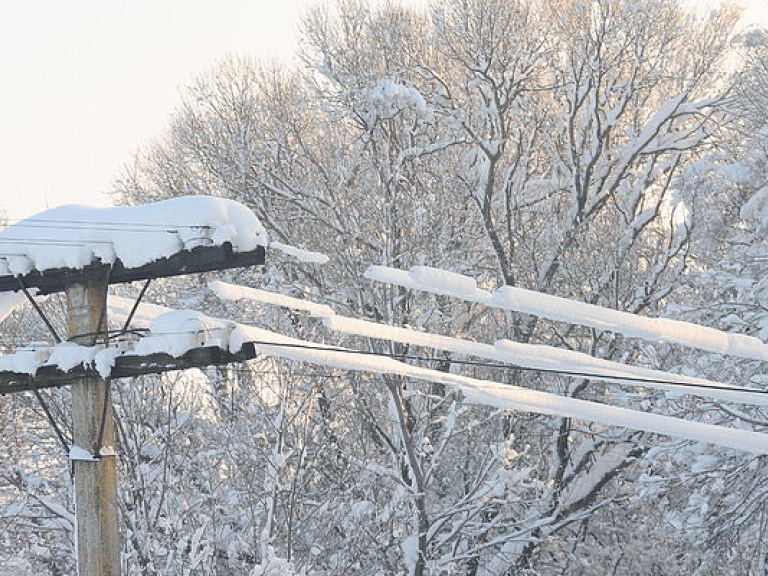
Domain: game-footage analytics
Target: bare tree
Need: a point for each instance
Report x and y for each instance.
(531, 144)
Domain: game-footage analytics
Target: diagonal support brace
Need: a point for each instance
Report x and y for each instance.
(136, 306)
(39, 310)
(49, 415)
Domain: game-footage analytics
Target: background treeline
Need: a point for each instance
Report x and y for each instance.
(609, 151)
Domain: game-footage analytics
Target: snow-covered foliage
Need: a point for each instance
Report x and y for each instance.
(557, 146)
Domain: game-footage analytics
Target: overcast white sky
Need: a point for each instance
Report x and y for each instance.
(84, 82)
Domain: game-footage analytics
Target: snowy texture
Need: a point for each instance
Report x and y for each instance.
(756, 208)
(503, 396)
(80, 453)
(537, 357)
(68, 355)
(64, 356)
(104, 361)
(448, 282)
(75, 236)
(573, 312)
(547, 358)
(410, 548)
(431, 280)
(386, 99)
(300, 254)
(176, 332)
(179, 331)
(507, 396)
(26, 360)
(120, 308)
(9, 302)
(233, 292)
(662, 329)
(172, 332)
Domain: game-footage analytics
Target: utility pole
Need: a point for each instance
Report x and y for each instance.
(93, 450)
(95, 478)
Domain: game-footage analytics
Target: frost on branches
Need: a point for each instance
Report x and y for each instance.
(580, 150)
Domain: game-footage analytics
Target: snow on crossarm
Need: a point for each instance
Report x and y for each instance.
(76, 236)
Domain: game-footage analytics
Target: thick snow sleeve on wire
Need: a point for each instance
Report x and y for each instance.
(172, 331)
(573, 312)
(480, 391)
(233, 292)
(75, 236)
(502, 396)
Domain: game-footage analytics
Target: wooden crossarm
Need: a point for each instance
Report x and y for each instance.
(126, 366)
(199, 259)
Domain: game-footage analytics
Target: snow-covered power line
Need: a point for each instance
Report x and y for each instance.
(95, 224)
(480, 391)
(205, 336)
(19, 247)
(526, 356)
(504, 396)
(179, 332)
(573, 312)
(300, 254)
(232, 292)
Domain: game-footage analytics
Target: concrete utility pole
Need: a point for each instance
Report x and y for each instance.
(98, 540)
(95, 473)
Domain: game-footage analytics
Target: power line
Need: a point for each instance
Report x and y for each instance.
(574, 373)
(88, 226)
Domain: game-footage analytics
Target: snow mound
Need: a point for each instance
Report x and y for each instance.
(25, 360)
(75, 236)
(179, 331)
(386, 99)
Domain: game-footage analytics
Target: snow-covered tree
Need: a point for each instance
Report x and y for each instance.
(548, 145)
